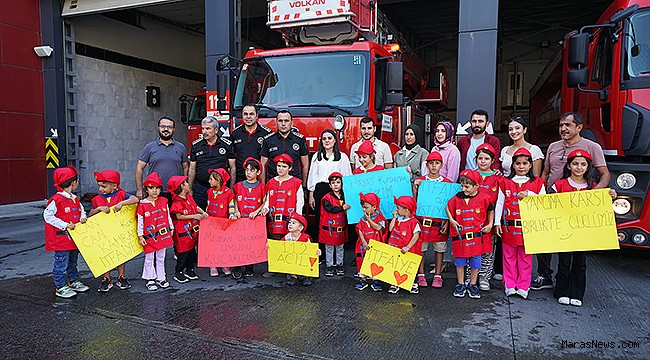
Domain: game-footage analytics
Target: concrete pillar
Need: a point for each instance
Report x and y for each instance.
(222, 36)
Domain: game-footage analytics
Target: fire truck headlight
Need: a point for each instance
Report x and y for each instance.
(638, 239)
(621, 206)
(626, 181)
(339, 122)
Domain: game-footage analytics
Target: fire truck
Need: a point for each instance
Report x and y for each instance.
(602, 71)
(343, 61)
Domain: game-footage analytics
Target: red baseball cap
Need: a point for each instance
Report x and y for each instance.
(335, 174)
(370, 198)
(487, 147)
(251, 159)
(434, 155)
(108, 176)
(406, 202)
(299, 218)
(174, 182)
(366, 148)
(153, 180)
(285, 158)
(522, 152)
(472, 175)
(223, 173)
(579, 152)
(62, 175)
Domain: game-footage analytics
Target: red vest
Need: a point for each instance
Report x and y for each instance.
(156, 227)
(490, 186)
(282, 203)
(218, 202)
(403, 233)
(369, 234)
(69, 211)
(248, 199)
(120, 195)
(333, 228)
(563, 185)
(431, 227)
(359, 170)
(302, 238)
(186, 232)
(511, 219)
(471, 215)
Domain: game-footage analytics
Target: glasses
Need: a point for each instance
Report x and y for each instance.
(167, 127)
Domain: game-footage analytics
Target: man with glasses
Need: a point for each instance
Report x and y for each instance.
(571, 124)
(165, 156)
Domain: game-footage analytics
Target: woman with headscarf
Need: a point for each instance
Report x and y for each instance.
(443, 137)
(411, 155)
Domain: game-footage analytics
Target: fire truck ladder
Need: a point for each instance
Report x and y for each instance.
(70, 73)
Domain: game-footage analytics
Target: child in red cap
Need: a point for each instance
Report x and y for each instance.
(297, 226)
(434, 231)
(221, 203)
(366, 154)
(333, 230)
(517, 265)
(371, 226)
(111, 195)
(471, 215)
(62, 212)
(405, 232)
(186, 215)
(250, 195)
(155, 231)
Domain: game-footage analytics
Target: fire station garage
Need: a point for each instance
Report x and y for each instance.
(84, 82)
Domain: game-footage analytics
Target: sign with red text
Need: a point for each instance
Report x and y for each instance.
(293, 257)
(228, 243)
(387, 263)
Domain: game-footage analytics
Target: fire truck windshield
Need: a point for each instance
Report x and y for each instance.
(339, 79)
(637, 49)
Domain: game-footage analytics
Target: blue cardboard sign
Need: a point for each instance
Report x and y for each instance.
(433, 197)
(386, 184)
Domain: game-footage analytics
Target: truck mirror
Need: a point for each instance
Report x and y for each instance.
(184, 112)
(623, 14)
(578, 50)
(394, 77)
(223, 63)
(575, 78)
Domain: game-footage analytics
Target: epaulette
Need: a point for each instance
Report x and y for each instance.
(226, 141)
(299, 135)
(264, 127)
(196, 141)
(269, 135)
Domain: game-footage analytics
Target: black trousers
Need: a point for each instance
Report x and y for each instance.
(544, 265)
(498, 256)
(200, 195)
(571, 278)
(185, 260)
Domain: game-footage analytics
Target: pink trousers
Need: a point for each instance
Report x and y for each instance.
(157, 271)
(517, 267)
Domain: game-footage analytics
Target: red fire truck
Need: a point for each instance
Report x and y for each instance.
(339, 67)
(603, 72)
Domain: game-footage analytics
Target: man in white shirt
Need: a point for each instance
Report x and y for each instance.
(383, 155)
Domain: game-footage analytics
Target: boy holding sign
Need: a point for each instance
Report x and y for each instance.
(297, 225)
(405, 232)
(221, 203)
(110, 194)
(434, 231)
(372, 226)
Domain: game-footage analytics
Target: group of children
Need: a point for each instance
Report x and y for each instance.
(486, 198)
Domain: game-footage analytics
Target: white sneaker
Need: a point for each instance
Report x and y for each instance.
(497, 277)
(576, 302)
(484, 285)
(214, 271)
(510, 291)
(78, 286)
(65, 292)
(522, 293)
(563, 300)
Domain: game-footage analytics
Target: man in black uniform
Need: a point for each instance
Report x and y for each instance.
(247, 139)
(284, 141)
(210, 152)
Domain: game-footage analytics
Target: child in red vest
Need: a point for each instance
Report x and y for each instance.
(221, 203)
(470, 215)
(366, 154)
(155, 231)
(62, 212)
(297, 226)
(111, 196)
(284, 196)
(186, 216)
(434, 231)
(571, 278)
(372, 226)
(489, 185)
(405, 232)
(250, 195)
(333, 231)
(517, 265)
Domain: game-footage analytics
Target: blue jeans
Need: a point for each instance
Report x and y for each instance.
(65, 262)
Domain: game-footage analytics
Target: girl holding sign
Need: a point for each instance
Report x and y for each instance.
(405, 232)
(517, 265)
(372, 226)
(571, 278)
(221, 203)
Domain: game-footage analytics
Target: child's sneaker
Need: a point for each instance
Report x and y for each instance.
(375, 286)
(415, 289)
(541, 282)
(393, 289)
(422, 281)
(214, 272)
(329, 271)
(473, 291)
(122, 283)
(65, 292)
(361, 285)
(151, 285)
(180, 278)
(437, 281)
(226, 271)
(484, 285)
(497, 277)
(510, 291)
(293, 281)
(340, 270)
(306, 281)
(190, 274)
(163, 284)
(105, 285)
(522, 293)
(576, 302)
(459, 290)
(237, 274)
(248, 271)
(78, 286)
(564, 300)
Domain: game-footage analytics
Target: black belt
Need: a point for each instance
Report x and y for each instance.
(278, 218)
(162, 231)
(430, 223)
(468, 236)
(515, 223)
(62, 233)
(191, 232)
(333, 228)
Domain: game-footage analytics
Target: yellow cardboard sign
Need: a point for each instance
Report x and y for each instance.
(108, 240)
(387, 263)
(571, 221)
(292, 257)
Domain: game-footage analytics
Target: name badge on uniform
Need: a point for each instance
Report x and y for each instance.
(237, 141)
(198, 153)
(273, 148)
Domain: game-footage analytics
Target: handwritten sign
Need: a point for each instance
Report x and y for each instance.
(108, 240)
(227, 243)
(572, 221)
(433, 197)
(387, 263)
(292, 257)
(386, 184)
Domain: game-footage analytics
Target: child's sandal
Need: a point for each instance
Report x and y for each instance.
(151, 285)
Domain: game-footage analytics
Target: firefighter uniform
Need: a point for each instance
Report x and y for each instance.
(471, 213)
(403, 233)
(155, 224)
(208, 157)
(247, 145)
(333, 221)
(511, 218)
(369, 234)
(431, 227)
(294, 145)
(249, 196)
(282, 202)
